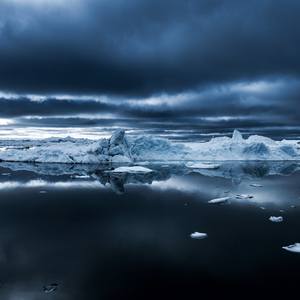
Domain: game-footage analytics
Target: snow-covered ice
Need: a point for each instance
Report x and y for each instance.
(198, 235)
(133, 169)
(276, 219)
(219, 200)
(293, 248)
(121, 148)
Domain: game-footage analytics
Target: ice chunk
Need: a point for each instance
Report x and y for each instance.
(198, 235)
(244, 196)
(293, 248)
(219, 200)
(50, 288)
(256, 185)
(81, 176)
(276, 219)
(134, 169)
(203, 165)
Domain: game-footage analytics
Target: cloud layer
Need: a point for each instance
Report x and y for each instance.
(152, 60)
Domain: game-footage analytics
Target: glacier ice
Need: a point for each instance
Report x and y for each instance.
(121, 148)
(198, 235)
(293, 248)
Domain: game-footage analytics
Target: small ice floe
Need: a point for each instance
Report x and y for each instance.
(293, 206)
(203, 165)
(256, 185)
(50, 288)
(276, 219)
(219, 200)
(263, 208)
(134, 169)
(43, 192)
(244, 196)
(293, 248)
(5, 174)
(81, 176)
(282, 210)
(198, 235)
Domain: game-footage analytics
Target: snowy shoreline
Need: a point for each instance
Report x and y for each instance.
(122, 149)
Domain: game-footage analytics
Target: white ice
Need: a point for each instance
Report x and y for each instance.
(202, 165)
(219, 200)
(198, 235)
(123, 149)
(276, 219)
(256, 185)
(133, 169)
(293, 248)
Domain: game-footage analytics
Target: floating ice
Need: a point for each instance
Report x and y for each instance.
(256, 185)
(203, 165)
(293, 248)
(198, 235)
(219, 200)
(50, 288)
(81, 176)
(244, 196)
(122, 149)
(134, 169)
(276, 219)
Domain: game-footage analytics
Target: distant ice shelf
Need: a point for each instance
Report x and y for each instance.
(121, 148)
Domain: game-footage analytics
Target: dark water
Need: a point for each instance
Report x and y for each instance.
(128, 236)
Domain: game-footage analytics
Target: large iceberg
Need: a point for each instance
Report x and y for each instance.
(123, 149)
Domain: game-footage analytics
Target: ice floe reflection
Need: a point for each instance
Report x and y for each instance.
(254, 182)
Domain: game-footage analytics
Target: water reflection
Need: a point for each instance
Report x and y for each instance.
(67, 175)
(101, 235)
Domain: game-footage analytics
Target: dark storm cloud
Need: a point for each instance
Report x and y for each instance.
(24, 106)
(262, 103)
(142, 47)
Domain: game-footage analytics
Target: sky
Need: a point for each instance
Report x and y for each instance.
(85, 67)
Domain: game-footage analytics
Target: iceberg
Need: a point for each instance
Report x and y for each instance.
(198, 235)
(293, 248)
(124, 149)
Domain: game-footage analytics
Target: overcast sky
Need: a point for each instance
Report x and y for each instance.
(150, 64)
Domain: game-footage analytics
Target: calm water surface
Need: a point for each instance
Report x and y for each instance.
(103, 236)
